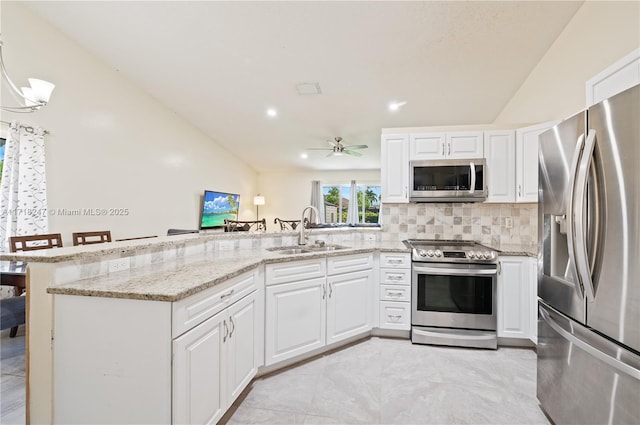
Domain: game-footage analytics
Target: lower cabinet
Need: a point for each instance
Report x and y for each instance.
(515, 293)
(306, 314)
(395, 291)
(213, 363)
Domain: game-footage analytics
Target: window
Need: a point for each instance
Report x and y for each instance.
(337, 200)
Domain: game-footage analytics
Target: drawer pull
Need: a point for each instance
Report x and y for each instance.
(395, 277)
(394, 317)
(395, 294)
(397, 261)
(223, 296)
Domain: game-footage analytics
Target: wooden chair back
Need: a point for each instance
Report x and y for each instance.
(245, 226)
(34, 242)
(287, 224)
(88, 238)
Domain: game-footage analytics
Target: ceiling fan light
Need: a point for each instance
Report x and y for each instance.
(394, 106)
(41, 90)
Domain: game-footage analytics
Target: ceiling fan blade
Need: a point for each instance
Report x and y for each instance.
(332, 143)
(319, 149)
(352, 153)
(356, 147)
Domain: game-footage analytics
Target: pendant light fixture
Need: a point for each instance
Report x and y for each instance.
(34, 97)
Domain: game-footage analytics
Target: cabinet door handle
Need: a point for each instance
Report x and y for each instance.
(330, 290)
(499, 267)
(519, 190)
(442, 148)
(226, 331)
(449, 153)
(233, 328)
(223, 296)
(324, 291)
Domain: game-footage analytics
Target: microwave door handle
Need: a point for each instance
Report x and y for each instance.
(472, 170)
(580, 249)
(571, 243)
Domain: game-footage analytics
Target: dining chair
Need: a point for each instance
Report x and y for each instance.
(245, 226)
(33, 242)
(89, 238)
(287, 224)
(14, 308)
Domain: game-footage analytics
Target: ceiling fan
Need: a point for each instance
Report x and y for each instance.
(337, 148)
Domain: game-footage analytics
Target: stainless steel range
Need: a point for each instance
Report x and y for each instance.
(453, 293)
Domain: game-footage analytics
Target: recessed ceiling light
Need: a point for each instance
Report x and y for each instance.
(394, 106)
(304, 156)
(272, 113)
(308, 88)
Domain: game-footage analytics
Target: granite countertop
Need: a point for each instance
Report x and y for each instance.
(176, 279)
(528, 250)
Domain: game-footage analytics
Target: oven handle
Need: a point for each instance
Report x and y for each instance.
(456, 272)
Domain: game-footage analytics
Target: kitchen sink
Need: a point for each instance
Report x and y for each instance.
(304, 249)
(321, 248)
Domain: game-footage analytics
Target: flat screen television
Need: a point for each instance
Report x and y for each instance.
(218, 206)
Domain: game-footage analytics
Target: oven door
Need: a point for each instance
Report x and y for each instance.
(454, 296)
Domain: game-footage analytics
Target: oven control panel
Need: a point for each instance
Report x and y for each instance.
(471, 253)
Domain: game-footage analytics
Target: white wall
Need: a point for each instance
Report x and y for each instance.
(599, 34)
(287, 193)
(112, 145)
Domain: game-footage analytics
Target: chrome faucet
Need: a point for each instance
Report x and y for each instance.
(302, 237)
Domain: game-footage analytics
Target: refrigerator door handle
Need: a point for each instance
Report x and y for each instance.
(578, 219)
(578, 342)
(472, 170)
(571, 242)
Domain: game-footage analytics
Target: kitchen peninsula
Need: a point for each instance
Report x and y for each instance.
(78, 304)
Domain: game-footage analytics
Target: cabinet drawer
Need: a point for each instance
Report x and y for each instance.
(395, 276)
(395, 293)
(395, 315)
(396, 260)
(349, 263)
(193, 310)
(295, 271)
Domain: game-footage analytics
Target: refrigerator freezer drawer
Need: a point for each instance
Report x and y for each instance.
(583, 378)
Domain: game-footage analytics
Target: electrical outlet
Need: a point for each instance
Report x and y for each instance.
(119, 265)
(508, 222)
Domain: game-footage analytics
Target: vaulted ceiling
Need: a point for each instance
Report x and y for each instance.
(221, 65)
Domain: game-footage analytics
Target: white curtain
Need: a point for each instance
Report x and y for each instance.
(23, 190)
(317, 200)
(352, 214)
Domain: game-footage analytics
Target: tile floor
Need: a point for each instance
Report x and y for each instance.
(12, 378)
(376, 381)
(391, 381)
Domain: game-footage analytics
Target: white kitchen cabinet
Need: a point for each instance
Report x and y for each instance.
(306, 314)
(295, 319)
(527, 161)
(623, 74)
(394, 307)
(514, 297)
(348, 305)
(214, 362)
(394, 168)
(199, 373)
(465, 145)
(500, 152)
(439, 145)
(427, 146)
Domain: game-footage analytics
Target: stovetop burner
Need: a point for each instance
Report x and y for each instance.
(446, 251)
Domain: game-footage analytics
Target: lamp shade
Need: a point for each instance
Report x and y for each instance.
(41, 89)
(258, 200)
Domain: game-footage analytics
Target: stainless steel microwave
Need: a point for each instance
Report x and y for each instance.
(448, 180)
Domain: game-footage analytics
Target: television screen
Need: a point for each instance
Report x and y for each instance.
(218, 206)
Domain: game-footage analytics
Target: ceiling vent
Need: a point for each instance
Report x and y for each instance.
(308, 88)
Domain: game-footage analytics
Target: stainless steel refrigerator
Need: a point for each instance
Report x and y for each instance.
(589, 265)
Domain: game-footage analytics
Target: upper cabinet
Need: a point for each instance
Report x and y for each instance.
(620, 76)
(527, 161)
(460, 145)
(500, 152)
(395, 168)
